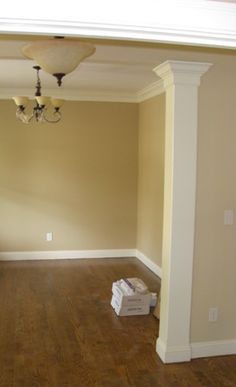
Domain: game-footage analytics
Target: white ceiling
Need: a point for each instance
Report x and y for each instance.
(114, 72)
(117, 71)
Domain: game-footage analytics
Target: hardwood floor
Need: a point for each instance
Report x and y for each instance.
(57, 329)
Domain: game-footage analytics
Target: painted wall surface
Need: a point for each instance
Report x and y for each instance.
(151, 177)
(214, 283)
(77, 178)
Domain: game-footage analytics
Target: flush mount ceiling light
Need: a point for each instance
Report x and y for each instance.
(58, 56)
(40, 110)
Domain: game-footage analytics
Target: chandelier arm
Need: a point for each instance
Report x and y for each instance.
(31, 117)
(57, 114)
(39, 112)
(22, 116)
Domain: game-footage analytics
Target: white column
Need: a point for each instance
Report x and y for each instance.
(181, 81)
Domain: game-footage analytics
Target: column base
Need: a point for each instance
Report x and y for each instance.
(173, 354)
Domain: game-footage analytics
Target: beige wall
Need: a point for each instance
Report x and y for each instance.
(214, 282)
(150, 178)
(214, 273)
(80, 181)
(77, 178)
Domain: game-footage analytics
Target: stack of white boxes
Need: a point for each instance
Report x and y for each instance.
(130, 297)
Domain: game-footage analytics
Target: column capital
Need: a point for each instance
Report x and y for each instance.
(181, 72)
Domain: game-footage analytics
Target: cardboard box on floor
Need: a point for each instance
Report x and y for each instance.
(130, 297)
(131, 300)
(129, 310)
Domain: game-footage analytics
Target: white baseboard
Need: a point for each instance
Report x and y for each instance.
(149, 263)
(195, 350)
(173, 354)
(213, 348)
(79, 254)
(65, 254)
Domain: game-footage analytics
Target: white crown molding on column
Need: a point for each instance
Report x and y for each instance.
(191, 22)
(181, 81)
(183, 72)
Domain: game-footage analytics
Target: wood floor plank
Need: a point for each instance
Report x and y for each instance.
(57, 329)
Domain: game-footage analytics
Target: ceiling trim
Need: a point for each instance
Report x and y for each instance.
(148, 92)
(161, 34)
(202, 22)
(74, 95)
(151, 90)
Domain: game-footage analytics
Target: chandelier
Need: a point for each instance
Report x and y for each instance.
(57, 57)
(40, 110)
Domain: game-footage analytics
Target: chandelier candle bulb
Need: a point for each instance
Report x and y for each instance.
(21, 101)
(56, 102)
(42, 101)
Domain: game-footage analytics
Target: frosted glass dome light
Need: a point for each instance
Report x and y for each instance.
(58, 56)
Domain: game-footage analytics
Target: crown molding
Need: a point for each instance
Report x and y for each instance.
(148, 92)
(190, 22)
(74, 95)
(182, 72)
(210, 37)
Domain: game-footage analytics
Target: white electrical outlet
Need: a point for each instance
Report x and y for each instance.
(228, 217)
(213, 314)
(49, 236)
